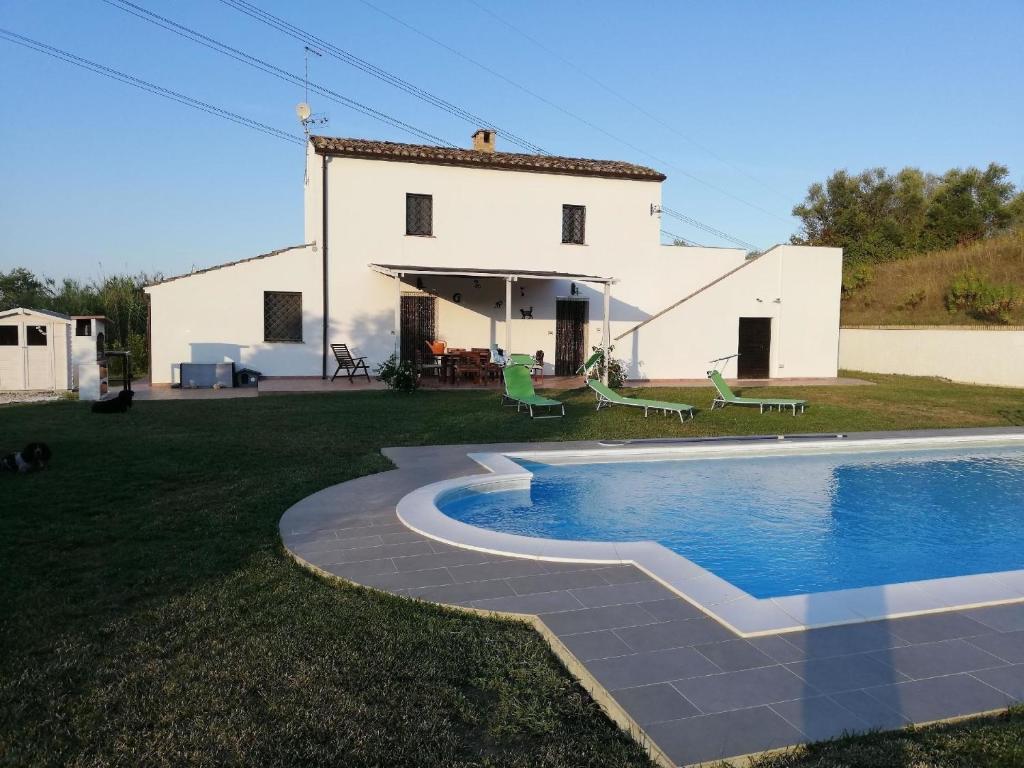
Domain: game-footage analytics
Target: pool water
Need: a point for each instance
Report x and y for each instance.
(785, 525)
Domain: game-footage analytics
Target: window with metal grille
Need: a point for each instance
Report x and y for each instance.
(574, 224)
(282, 316)
(419, 214)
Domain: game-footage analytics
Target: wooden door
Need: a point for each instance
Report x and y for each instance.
(571, 316)
(755, 348)
(12, 357)
(418, 325)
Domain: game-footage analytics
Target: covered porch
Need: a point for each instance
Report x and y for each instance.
(524, 312)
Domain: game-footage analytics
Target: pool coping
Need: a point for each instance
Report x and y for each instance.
(744, 614)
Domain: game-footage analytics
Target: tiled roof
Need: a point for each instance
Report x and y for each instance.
(505, 161)
(228, 264)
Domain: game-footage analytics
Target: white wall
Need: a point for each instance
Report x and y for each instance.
(976, 356)
(217, 316)
(796, 286)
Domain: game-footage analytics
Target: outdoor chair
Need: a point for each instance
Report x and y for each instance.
(429, 365)
(590, 364)
(726, 397)
(519, 392)
(351, 365)
(606, 396)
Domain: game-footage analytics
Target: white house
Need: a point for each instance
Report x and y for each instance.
(531, 252)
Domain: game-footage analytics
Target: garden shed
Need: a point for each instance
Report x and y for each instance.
(35, 350)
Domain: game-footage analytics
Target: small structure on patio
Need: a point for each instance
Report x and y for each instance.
(35, 350)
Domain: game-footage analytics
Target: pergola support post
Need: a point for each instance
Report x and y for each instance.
(398, 316)
(508, 316)
(606, 332)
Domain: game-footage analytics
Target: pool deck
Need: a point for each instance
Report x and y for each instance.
(683, 684)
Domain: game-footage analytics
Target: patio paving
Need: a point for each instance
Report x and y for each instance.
(677, 680)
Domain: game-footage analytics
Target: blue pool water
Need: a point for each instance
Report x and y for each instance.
(786, 525)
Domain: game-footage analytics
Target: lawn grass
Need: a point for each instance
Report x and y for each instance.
(150, 615)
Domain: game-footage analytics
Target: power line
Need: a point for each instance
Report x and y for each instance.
(619, 95)
(157, 90)
(264, 66)
(567, 112)
(681, 239)
(709, 229)
(341, 54)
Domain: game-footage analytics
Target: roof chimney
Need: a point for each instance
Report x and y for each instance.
(483, 140)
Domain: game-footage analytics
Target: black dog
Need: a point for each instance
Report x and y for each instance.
(118, 404)
(31, 458)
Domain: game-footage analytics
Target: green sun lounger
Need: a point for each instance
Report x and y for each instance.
(726, 397)
(590, 364)
(608, 396)
(520, 359)
(519, 390)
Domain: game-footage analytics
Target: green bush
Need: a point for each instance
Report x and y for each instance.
(981, 299)
(399, 375)
(856, 278)
(616, 369)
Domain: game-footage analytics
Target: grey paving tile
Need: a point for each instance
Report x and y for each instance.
(358, 571)
(1008, 646)
(323, 547)
(932, 627)
(1005, 618)
(713, 737)
(940, 697)
(933, 659)
(463, 593)
(375, 553)
(734, 655)
(552, 567)
(499, 569)
(292, 539)
(616, 594)
(650, 667)
(542, 602)
(820, 718)
(674, 634)
(1009, 680)
(747, 688)
(844, 673)
(408, 579)
(590, 619)
(596, 645)
(623, 574)
(420, 561)
(371, 530)
(655, 703)
(778, 648)
(549, 582)
(672, 608)
(400, 537)
(873, 712)
(850, 638)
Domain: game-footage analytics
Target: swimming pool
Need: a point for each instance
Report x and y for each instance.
(784, 525)
(763, 535)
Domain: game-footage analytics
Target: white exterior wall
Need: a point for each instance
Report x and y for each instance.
(217, 317)
(796, 286)
(494, 219)
(973, 356)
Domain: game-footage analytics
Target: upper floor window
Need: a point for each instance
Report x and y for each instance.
(574, 224)
(419, 214)
(282, 316)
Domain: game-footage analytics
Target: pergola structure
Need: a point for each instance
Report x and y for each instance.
(398, 271)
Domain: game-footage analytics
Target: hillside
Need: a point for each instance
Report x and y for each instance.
(978, 284)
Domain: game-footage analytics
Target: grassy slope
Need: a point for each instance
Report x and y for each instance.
(150, 615)
(884, 300)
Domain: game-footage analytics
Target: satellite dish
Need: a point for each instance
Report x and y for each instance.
(303, 111)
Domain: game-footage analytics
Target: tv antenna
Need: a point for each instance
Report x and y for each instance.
(302, 110)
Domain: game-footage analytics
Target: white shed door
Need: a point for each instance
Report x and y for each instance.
(12, 359)
(39, 366)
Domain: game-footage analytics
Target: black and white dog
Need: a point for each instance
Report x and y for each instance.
(31, 458)
(118, 404)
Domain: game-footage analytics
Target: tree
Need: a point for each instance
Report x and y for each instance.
(875, 216)
(21, 288)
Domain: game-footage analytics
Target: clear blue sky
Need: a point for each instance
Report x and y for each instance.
(93, 172)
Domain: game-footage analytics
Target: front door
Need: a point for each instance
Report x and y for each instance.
(755, 347)
(419, 325)
(571, 316)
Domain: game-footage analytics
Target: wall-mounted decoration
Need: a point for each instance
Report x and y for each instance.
(457, 297)
(499, 304)
(522, 290)
(476, 283)
(419, 283)
(526, 313)
(574, 290)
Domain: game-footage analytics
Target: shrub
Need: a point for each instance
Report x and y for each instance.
(913, 299)
(399, 375)
(856, 277)
(616, 369)
(982, 299)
